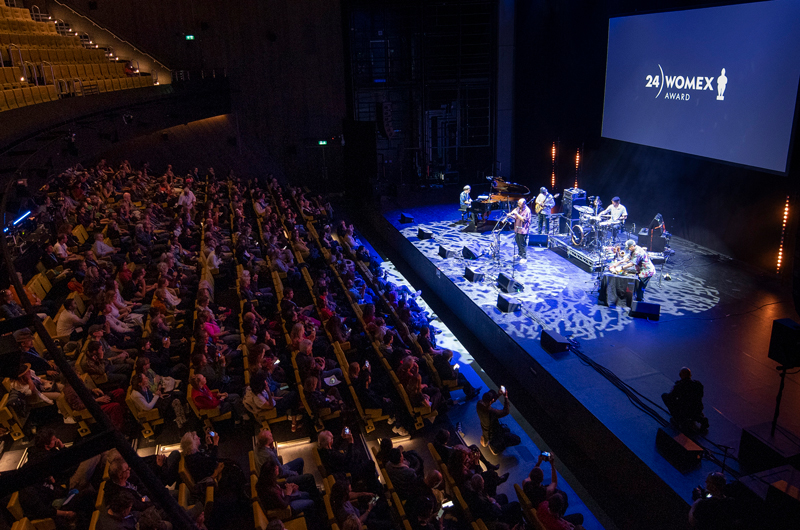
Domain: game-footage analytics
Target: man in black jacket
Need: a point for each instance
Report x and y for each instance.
(685, 402)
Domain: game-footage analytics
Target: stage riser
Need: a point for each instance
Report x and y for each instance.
(655, 504)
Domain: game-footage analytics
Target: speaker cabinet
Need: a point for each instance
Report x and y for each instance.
(473, 276)
(405, 218)
(784, 343)
(645, 310)
(423, 234)
(552, 342)
(446, 253)
(679, 450)
(508, 284)
(537, 240)
(469, 253)
(507, 304)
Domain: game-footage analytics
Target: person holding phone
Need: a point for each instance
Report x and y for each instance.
(376, 514)
(494, 434)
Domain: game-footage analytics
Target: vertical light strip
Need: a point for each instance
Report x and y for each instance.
(577, 166)
(783, 233)
(553, 173)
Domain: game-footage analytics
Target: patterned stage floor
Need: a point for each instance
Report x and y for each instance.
(716, 316)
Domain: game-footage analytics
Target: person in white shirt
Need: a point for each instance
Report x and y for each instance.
(187, 198)
(615, 211)
(616, 214)
(68, 321)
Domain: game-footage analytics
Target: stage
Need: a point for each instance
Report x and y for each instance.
(716, 317)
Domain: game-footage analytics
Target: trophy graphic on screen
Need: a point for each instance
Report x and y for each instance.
(722, 80)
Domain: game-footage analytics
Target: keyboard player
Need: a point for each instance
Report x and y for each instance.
(465, 203)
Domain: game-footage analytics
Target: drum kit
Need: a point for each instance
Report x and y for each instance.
(592, 232)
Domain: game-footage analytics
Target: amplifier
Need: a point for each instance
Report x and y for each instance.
(572, 197)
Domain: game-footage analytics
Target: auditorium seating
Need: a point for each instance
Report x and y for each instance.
(37, 64)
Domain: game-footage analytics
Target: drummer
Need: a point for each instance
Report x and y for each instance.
(615, 215)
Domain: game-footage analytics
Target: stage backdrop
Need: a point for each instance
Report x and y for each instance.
(560, 89)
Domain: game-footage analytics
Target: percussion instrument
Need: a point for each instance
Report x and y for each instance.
(584, 209)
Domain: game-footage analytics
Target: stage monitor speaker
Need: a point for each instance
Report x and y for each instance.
(645, 310)
(552, 342)
(473, 276)
(445, 253)
(783, 500)
(405, 218)
(469, 253)
(784, 343)
(509, 285)
(507, 304)
(679, 450)
(537, 240)
(423, 234)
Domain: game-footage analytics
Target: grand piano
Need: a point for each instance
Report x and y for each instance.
(504, 195)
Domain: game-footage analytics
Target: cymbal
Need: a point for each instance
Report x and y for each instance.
(584, 209)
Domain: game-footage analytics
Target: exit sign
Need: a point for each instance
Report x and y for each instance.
(323, 142)
(189, 37)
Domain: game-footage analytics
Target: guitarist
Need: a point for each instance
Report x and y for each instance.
(543, 206)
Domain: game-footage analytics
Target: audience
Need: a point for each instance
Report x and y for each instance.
(147, 292)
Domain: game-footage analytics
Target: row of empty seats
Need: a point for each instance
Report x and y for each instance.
(27, 26)
(58, 56)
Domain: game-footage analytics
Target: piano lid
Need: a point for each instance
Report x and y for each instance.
(510, 190)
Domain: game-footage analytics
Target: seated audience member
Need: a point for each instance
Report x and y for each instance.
(713, 510)
(494, 434)
(292, 471)
(491, 508)
(551, 514)
(106, 375)
(374, 516)
(119, 474)
(119, 514)
(344, 460)
(319, 399)
(275, 496)
(202, 462)
(537, 492)
(442, 445)
(36, 391)
(447, 372)
(69, 323)
(113, 403)
(146, 399)
(405, 480)
(685, 403)
(411, 458)
(259, 398)
(47, 499)
(372, 399)
(204, 398)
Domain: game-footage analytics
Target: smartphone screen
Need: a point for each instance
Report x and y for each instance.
(502, 389)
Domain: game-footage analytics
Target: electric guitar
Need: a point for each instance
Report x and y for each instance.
(539, 207)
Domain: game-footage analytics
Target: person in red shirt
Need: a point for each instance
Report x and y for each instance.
(205, 398)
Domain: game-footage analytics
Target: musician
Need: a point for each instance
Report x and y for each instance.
(638, 260)
(544, 206)
(522, 223)
(465, 203)
(464, 199)
(617, 213)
